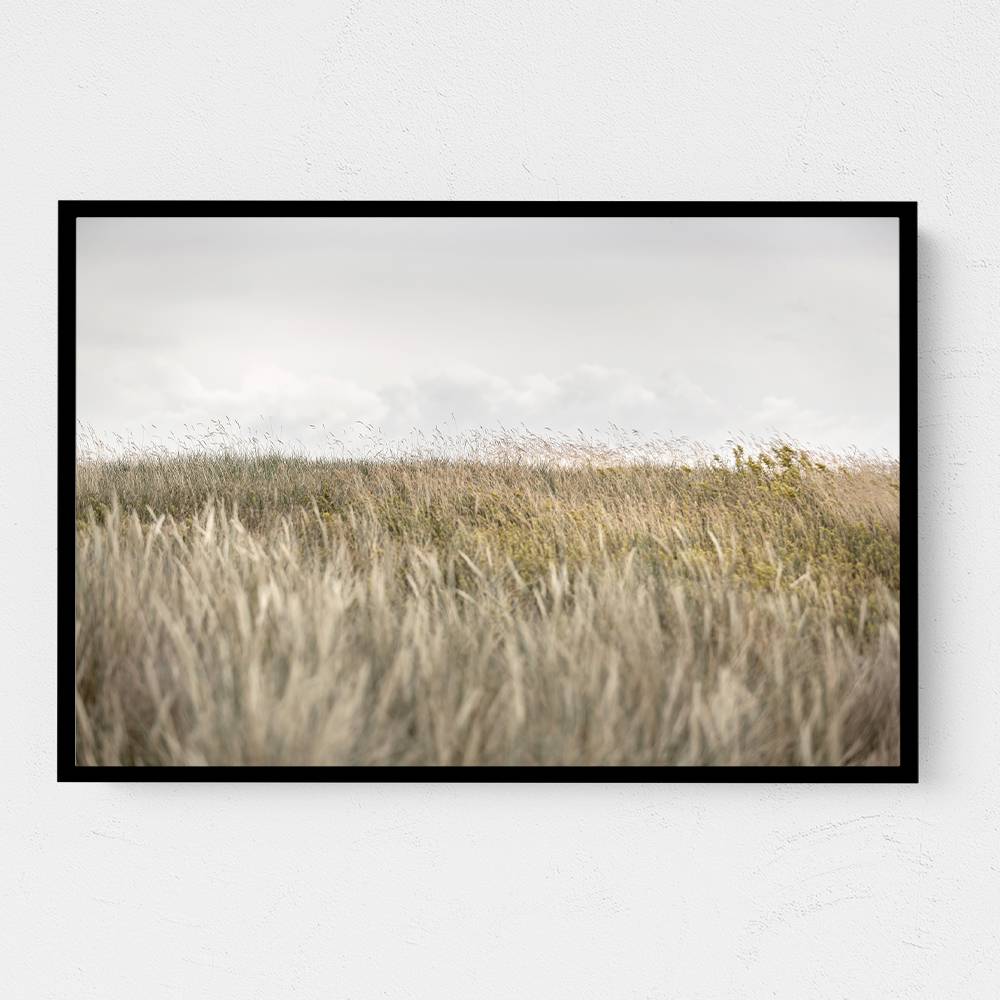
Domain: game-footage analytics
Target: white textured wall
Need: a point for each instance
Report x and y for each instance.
(116, 892)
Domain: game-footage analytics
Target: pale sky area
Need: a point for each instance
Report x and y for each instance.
(699, 328)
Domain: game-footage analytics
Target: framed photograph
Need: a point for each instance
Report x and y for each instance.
(480, 491)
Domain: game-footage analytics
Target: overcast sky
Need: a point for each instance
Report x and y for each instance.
(701, 328)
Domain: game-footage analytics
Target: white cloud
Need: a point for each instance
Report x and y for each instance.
(316, 409)
(587, 397)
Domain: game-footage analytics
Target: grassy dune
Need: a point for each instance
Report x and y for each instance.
(263, 609)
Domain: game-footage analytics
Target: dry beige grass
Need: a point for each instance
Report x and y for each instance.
(252, 608)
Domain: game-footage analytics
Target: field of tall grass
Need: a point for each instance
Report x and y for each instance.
(542, 607)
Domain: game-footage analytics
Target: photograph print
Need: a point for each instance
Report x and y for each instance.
(487, 491)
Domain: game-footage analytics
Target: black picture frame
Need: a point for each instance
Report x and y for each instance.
(69, 770)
